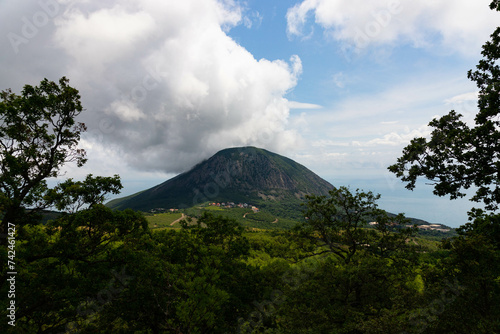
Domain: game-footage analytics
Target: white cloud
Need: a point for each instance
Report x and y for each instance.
(465, 104)
(398, 139)
(161, 81)
(461, 98)
(126, 111)
(461, 25)
(339, 80)
(361, 134)
(103, 36)
(302, 105)
(253, 19)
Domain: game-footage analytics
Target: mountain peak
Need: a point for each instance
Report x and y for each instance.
(240, 174)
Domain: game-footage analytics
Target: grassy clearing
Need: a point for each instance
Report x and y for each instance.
(213, 208)
(163, 220)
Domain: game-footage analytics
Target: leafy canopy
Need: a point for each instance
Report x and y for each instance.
(338, 224)
(459, 156)
(39, 134)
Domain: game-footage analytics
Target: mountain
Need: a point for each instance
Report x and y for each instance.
(241, 175)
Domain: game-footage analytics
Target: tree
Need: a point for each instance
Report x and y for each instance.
(62, 261)
(73, 195)
(38, 135)
(458, 156)
(219, 231)
(194, 280)
(338, 224)
(70, 269)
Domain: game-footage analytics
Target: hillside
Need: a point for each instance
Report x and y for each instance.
(245, 175)
(233, 180)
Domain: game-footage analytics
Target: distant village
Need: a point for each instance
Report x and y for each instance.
(163, 210)
(430, 227)
(433, 227)
(227, 205)
(230, 205)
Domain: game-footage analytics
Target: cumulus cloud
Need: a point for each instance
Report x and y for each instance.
(99, 38)
(161, 81)
(466, 105)
(461, 98)
(398, 139)
(461, 25)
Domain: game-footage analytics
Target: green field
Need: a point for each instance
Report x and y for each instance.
(247, 218)
(263, 220)
(163, 220)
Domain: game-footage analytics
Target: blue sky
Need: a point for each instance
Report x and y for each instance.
(339, 86)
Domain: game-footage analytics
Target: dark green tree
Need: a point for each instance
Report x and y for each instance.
(72, 196)
(72, 267)
(38, 135)
(458, 156)
(219, 231)
(57, 262)
(189, 281)
(334, 297)
(338, 224)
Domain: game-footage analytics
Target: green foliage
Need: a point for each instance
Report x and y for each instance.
(103, 271)
(162, 220)
(62, 264)
(337, 224)
(190, 280)
(74, 195)
(274, 245)
(485, 225)
(38, 134)
(289, 208)
(459, 156)
(263, 219)
(94, 270)
(220, 231)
